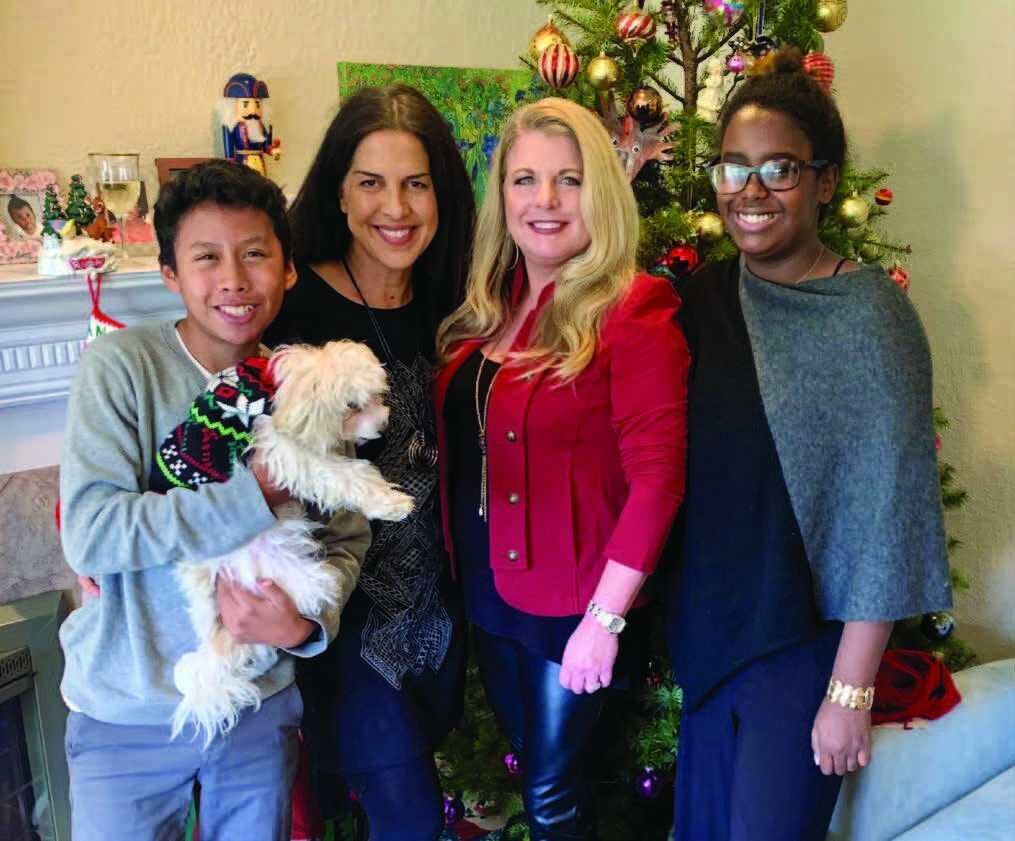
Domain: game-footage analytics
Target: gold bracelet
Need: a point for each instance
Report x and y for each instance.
(851, 697)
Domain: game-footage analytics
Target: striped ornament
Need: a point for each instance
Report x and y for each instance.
(631, 26)
(820, 67)
(558, 65)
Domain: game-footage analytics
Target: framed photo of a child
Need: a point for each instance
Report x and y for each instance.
(22, 193)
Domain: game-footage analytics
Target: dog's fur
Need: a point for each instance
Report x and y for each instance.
(324, 398)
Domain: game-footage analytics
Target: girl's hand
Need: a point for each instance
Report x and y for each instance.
(841, 738)
(588, 657)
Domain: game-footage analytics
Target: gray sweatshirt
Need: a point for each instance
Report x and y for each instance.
(132, 387)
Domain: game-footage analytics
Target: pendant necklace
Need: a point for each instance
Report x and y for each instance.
(420, 452)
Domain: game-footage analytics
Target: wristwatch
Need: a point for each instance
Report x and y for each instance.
(613, 622)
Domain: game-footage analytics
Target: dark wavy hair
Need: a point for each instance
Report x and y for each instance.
(320, 229)
(217, 182)
(787, 88)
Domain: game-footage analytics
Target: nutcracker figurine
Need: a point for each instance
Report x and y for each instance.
(246, 138)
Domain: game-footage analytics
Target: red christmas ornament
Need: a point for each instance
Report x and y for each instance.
(558, 65)
(633, 26)
(900, 276)
(679, 261)
(821, 68)
(884, 196)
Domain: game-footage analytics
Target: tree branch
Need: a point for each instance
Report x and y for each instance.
(728, 37)
(666, 87)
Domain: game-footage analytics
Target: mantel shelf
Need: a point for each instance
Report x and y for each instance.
(44, 320)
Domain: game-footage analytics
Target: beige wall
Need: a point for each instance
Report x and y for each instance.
(927, 89)
(153, 88)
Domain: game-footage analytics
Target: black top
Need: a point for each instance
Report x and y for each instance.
(741, 587)
(544, 635)
(399, 605)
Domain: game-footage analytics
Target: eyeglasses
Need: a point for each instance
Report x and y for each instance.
(778, 174)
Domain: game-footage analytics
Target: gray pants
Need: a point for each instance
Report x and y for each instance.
(129, 781)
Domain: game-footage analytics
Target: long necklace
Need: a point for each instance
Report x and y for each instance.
(481, 414)
(421, 453)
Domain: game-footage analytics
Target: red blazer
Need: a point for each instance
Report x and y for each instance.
(588, 471)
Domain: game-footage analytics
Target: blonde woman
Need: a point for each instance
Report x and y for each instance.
(561, 420)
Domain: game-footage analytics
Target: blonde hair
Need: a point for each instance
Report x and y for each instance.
(565, 336)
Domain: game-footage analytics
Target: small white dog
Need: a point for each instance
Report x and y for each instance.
(323, 398)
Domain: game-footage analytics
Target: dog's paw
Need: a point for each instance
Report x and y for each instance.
(392, 506)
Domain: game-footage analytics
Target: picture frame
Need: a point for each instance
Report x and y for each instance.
(167, 166)
(22, 196)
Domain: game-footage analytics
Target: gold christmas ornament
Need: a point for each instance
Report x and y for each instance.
(709, 226)
(603, 72)
(546, 35)
(830, 15)
(853, 212)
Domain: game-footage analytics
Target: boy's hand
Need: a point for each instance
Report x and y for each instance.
(266, 618)
(272, 495)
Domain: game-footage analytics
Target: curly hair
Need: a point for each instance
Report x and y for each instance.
(786, 87)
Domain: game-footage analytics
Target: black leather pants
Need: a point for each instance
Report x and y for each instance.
(551, 729)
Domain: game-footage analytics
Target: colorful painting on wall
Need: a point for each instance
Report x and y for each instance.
(475, 101)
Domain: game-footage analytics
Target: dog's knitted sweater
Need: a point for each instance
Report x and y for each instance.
(217, 430)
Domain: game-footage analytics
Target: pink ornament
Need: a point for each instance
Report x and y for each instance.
(558, 65)
(513, 764)
(938, 443)
(648, 783)
(736, 63)
(820, 66)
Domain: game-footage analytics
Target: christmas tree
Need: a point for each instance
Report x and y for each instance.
(51, 212)
(627, 62)
(79, 210)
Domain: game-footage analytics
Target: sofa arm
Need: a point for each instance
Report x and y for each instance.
(915, 773)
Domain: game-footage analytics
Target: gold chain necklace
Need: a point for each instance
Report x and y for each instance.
(481, 426)
(807, 274)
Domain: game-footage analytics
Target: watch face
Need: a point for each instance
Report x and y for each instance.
(616, 625)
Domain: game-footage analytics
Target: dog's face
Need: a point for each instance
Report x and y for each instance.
(329, 394)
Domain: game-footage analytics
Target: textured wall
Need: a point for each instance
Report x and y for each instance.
(927, 90)
(66, 89)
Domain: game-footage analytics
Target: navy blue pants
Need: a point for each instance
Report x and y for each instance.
(550, 728)
(745, 768)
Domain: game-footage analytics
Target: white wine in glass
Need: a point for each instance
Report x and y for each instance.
(119, 183)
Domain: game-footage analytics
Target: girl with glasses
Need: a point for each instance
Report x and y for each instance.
(813, 516)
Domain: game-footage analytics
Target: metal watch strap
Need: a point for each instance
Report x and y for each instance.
(612, 622)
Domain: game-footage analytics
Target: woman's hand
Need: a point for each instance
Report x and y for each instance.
(268, 617)
(588, 657)
(841, 738)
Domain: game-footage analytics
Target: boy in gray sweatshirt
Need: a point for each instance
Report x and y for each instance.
(225, 248)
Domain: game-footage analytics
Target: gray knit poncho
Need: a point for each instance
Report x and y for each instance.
(844, 369)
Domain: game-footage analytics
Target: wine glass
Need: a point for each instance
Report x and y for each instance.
(119, 183)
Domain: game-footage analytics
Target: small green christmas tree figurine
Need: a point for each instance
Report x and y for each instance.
(51, 212)
(79, 211)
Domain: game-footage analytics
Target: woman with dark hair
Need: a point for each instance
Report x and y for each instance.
(381, 233)
(813, 515)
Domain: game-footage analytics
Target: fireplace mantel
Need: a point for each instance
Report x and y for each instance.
(43, 322)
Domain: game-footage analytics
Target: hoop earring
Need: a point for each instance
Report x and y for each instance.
(518, 253)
